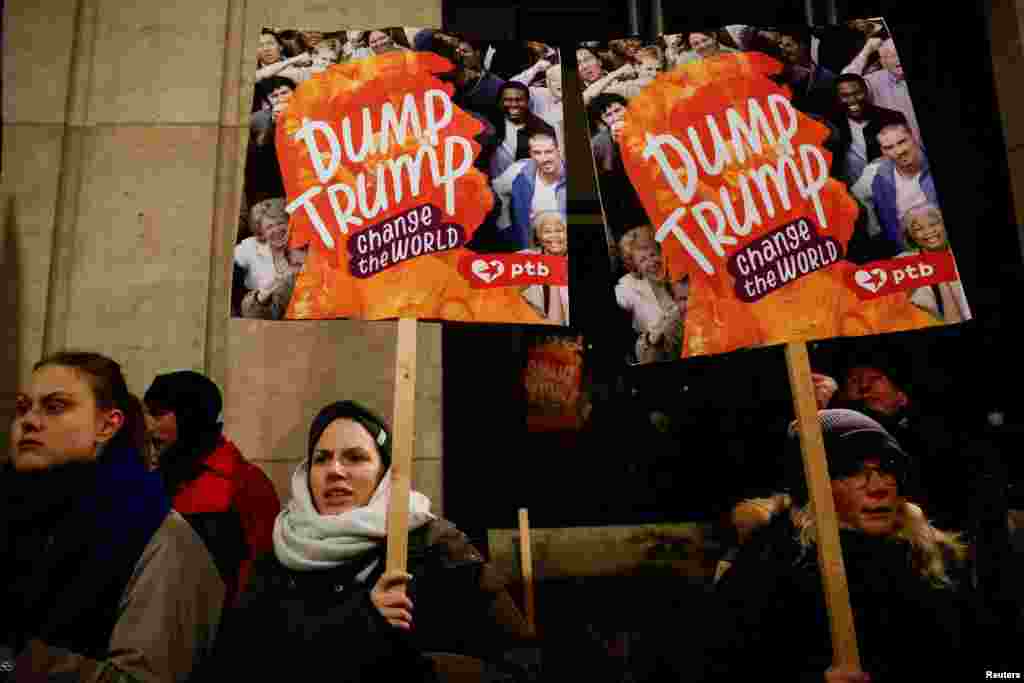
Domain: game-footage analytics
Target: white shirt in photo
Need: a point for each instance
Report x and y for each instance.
(544, 197)
(256, 259)
(858, 142)
(908, 193)
(512, 136)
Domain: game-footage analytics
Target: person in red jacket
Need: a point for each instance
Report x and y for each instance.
(229, 501)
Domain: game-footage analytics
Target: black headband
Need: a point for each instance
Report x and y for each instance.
(350, 410)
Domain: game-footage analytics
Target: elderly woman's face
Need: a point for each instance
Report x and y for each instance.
(552, 235)
(275, 231)
(345, 468)
(928, 230)
(270, 50)
(647, 257)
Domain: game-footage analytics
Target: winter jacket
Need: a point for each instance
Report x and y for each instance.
(770, 609)
(289, 624)
(103, 581)
(232, 505)
(883, 196)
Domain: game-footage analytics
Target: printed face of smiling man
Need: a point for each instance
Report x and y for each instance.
(854, 98)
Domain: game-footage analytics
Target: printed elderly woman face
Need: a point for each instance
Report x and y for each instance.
(345, 468)
(647, 257)
(270, 49)
(552, 234)
(928, 230)
(269, 222)
(275, 228)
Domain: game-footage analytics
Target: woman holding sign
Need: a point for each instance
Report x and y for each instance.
(918, 612)
(323, 598)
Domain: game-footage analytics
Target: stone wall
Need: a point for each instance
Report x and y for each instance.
(125, 126)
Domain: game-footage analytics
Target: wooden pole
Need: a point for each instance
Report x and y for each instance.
(526, 560)
(403, 431)
(830, 556)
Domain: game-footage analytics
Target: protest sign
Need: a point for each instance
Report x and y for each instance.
(553, 379)
(768, 186)
(389, 174)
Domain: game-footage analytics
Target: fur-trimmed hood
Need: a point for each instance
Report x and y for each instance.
(936, 555)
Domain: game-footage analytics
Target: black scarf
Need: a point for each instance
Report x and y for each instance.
(184, 460)
(70, 539)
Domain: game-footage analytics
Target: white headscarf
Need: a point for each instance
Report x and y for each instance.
(305, 540)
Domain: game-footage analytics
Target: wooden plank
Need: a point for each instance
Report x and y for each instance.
(687, 549)
(830, 556)
(526, 558)
(403, 427)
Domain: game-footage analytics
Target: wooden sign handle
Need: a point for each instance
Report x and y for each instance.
(403, 431)
(526, 559)
(845, 654)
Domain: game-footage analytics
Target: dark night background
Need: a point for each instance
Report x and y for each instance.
(729, 412)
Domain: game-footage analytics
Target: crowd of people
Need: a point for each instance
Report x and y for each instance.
(901, 483)
(138, 543)
(848, 78)
(513, 89)
(139, 546)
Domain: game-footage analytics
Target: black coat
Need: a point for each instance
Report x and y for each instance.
(291, 624)
(770, 620)
(70, 541)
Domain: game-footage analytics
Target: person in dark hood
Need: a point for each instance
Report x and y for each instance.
(877, 384)
(324, 600)
(100, 580)
(910, 583)
(230, 502)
